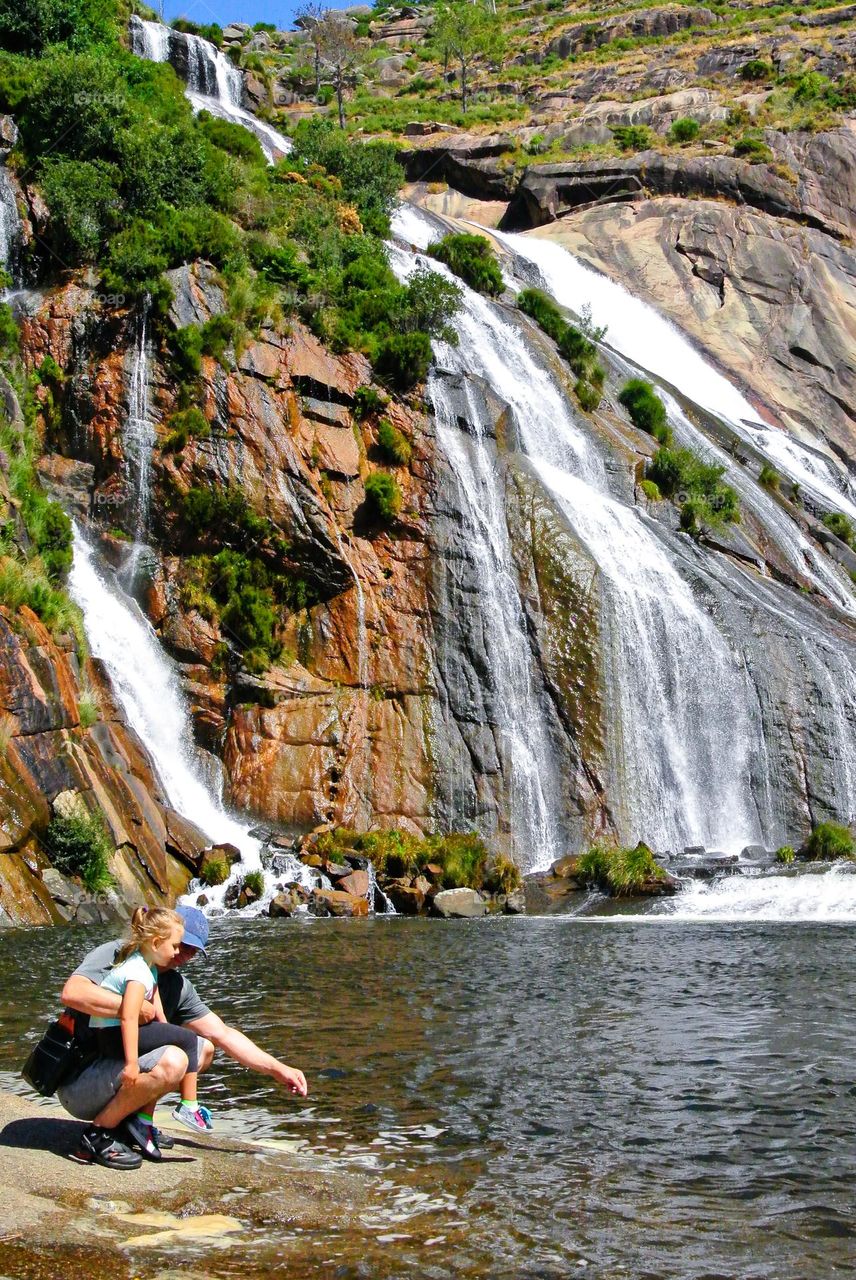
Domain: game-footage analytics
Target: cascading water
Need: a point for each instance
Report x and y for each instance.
(679, 766)
(139, 440)
(651, 342)
(214, 84)
(10, 225)
(148, 689)
(533, 787)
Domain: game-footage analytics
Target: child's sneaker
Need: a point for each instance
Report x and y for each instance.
(198, 1119)
(142, 1135)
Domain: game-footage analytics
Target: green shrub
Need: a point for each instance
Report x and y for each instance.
(33, 25)
(27, 585)
(632, 137)
(579, 351)
(619, 872)
(841, 525)
(10, 334)
(88, 710)
(463, 858)
(544, 311)
(502, 875)
(383, 496)
(684, 130)
(395, 446)
(769, 478)
(183, 425)
(255, 882)
(367, 403)
(588, 394)
(646, 409)
(78, 845)
(83, 198)
(753, 148)
(785, 855)
(403, 359)
(757, 69)
(829, 841)
(214, 871)
(697, 486)
(651, 490)
(369, 173)
(472, 258)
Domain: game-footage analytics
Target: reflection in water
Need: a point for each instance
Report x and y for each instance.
(528, 1096)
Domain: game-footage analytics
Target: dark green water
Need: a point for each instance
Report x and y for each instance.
(540, 1098)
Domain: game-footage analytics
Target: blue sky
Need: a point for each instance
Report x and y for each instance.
(279, 12)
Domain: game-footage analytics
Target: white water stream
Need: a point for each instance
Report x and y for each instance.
(10, 223)
(214, 84)
(685, 720)
(139, 438)
(827, 895)
(638, 331)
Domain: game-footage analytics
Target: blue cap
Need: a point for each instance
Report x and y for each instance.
(195, 928)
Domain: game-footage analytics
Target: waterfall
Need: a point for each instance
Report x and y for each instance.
(10, 224)
(534, 789)
(684, 731)
(825, 894)
(654, 344)
(139, 440)
(214, 84)
(148, 689)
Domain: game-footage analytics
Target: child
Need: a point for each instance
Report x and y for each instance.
(156, 934)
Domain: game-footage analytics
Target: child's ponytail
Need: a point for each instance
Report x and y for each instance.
(147, 924)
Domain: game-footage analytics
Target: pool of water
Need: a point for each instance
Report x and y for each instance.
(537, 1097)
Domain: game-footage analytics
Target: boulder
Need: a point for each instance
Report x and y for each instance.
(460, 904)
(357, 883)
(196, 295)
(515, 903)
(285, 904)
(565, 868)
(333, 902)
(407, 900)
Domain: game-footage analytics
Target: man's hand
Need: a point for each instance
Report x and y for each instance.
(291, 1079)
(131, 1073)
(148, 1013)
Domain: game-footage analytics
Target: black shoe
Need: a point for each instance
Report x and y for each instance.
(137, 1133)
(100, 1146)
(165, 1141)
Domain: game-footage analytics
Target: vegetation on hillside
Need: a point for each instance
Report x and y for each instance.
(579, 350)
(137, 184)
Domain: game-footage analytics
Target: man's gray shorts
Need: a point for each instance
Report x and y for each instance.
(84, 1097)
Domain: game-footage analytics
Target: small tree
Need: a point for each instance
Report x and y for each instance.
(309, 16)
(340, 53)
(465, 30)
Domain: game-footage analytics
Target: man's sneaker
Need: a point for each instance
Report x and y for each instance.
(165, 1141)
(99, 1146)
(142, 1135)
(199, 1120)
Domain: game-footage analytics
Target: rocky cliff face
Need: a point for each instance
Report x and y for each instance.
(47, 753)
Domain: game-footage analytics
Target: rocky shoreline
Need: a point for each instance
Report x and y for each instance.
(62, 1218)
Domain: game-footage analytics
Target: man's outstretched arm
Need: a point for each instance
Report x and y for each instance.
(85, 996)
(243, 1050)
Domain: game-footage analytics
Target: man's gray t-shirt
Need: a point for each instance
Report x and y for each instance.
(180, 999)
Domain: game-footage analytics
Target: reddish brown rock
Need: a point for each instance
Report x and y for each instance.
(335, 903)
(357, 883)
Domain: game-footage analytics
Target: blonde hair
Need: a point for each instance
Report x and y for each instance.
(147, 924)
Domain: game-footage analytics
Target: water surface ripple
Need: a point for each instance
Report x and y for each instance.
(541, 1097)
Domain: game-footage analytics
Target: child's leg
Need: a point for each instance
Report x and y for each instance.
(188, 1088)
